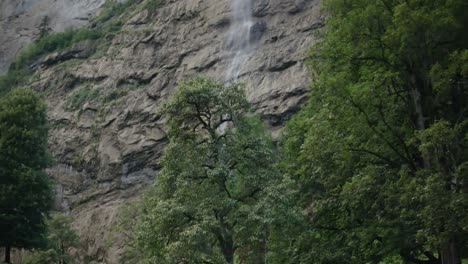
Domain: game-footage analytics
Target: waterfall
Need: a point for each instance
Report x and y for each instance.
(239, 45)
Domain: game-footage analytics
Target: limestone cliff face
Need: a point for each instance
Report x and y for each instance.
(105, 132)
(20, 21)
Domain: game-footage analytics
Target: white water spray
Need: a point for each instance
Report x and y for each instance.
(239, 44)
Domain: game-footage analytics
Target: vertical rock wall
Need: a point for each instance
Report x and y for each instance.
(107, 145)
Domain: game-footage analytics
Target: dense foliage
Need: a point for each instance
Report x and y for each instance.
(211, 202)
(25, 193)
(378, 158)
(381, 151)
(61, 239)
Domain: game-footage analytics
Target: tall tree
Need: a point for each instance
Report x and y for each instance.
(61, 238)
(25, 192)
(209, 203)
(381, 151)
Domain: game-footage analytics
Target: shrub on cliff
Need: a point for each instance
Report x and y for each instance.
(52, 42)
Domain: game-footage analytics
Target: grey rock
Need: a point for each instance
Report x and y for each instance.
(20, 20)
(78, 51)
(257, 30)
(297, 6)
(109, 148)
(261, 8)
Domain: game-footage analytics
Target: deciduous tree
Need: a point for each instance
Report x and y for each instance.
(61, 239)
(208, 204)
(380, 152)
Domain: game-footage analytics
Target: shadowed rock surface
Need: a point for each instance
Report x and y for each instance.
(106, 135)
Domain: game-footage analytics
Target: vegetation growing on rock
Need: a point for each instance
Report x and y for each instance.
(378, 157)
(107, 23)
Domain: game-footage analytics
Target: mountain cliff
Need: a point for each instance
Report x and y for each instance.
(103, 95)
(21, 22)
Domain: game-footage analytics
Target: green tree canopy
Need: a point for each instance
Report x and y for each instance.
(25, 192)
(61, 238)
(208, 204)
(380, 152)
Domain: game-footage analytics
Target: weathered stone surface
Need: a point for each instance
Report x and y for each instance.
(107, 149)
(20, 21)
(261, 8)
(80, 50)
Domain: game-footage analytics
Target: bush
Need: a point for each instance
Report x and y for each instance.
(81, 96)
(112, 9)
(152, 5)
(12, 79)
(53, 42)
(61, 239)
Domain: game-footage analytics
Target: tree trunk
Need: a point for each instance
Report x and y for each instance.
(228, 251)
(449, 254)
(7, 254)
(420, 120)
(227, 244)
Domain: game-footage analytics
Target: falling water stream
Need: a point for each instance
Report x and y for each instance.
(239, 45)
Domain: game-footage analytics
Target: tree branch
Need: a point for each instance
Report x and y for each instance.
(395, 134)
(251, 195)
(389, 161)
(382, 136)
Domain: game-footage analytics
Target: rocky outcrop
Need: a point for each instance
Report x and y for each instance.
(21, 22)
(81, 50)
(106, 134)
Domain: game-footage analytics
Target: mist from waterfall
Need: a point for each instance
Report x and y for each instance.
(239, 46)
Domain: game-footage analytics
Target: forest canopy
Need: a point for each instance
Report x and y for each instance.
(380, 151)
(372, 169)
